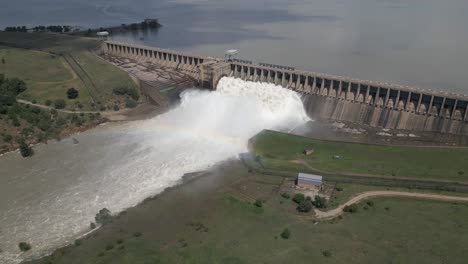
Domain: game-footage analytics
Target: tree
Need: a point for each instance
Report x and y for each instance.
(103, 217)
(286, 233)
(130, 103)
(48, 102)
(326, 253)
(25, 149)
(350, 208)
(319, 202)
(23, 246)
(298, 198)
(258, 203)
(72, 93)
(304, 206)
(60, 104)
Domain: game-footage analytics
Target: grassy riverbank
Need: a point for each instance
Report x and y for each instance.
(284, 152)
(49, 65)
(52, 63)
(212, 219)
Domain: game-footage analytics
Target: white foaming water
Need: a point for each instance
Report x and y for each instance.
(119, 166)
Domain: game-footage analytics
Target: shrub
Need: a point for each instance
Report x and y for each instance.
(339, 188)
(116, 108)
(370, 203)
(286, 233)
(258, 203)
(319, 202)
(109, 246)
(298, 197)
(350, 208)
(48, 102)
(304, 206)
(60, 104)
(72, 93)
(103, 217)
(78, 242)
(7, 138)
(92, 225)
(133, 93)
(25, 149)
(137, 234)
(461, 173)
(34, 101)
(326, 253)
(23, 246)
(130, 103)
(120, 241)
(285, 195)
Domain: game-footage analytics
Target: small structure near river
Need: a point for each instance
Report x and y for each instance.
(309, 182)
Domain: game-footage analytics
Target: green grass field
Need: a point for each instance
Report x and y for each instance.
(213, 220)
(52, 63)
(279, 151)
(47, 76)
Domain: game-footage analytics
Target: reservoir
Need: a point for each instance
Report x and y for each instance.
(417, 42)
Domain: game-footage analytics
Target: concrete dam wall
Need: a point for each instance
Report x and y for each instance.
(325, 97)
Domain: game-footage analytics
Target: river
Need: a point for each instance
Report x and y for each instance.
(49, 199)
(412, 42)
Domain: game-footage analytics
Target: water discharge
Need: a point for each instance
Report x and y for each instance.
(49, 199)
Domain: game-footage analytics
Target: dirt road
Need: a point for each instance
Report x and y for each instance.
(336, 212)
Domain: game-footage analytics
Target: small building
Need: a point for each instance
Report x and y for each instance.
(308, 151)
(230, 55)
(309, 181)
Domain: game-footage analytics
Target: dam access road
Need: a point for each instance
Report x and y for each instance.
(325, 96)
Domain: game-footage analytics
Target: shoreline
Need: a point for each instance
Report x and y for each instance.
(141, 112)
(187, 178)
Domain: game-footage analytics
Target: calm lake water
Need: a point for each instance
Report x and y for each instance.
(414, 42)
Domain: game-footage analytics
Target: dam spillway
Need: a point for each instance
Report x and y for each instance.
(325, 96)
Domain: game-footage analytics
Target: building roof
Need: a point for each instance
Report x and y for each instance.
(231, 52)
(307, 176)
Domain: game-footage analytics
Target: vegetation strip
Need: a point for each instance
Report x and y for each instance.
(323, 215)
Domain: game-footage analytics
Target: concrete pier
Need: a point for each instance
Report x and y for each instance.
(325, 96)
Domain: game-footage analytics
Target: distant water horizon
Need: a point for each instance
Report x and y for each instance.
(421, 43)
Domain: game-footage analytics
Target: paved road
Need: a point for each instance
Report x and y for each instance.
(338, 211)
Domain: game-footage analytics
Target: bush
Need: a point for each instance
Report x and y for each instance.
(120, 241)
(286, 233)
(78, 242)
(137, 234)
(320, 202)
(48, 102)
(370, 203)
(339, 188)
(258, 203)
(72, 93)
(103, 217)
(133, 93)
(25, 150)
(60, 104)
(298, 198)
(285, 195)
(326, 253)
(7, 138)
(304, 206)
(23, 246)
(92, 225)
(116, 108)
(461, 173)
(130, 103)
(109, 247)
(350, 208)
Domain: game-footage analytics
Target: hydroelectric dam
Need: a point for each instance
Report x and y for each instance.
(325, 97)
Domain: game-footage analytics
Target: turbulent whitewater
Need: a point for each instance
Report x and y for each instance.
(51, 198)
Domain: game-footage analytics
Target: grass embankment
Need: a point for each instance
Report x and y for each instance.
(52, 63)
(213, 220)
(280, 151)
